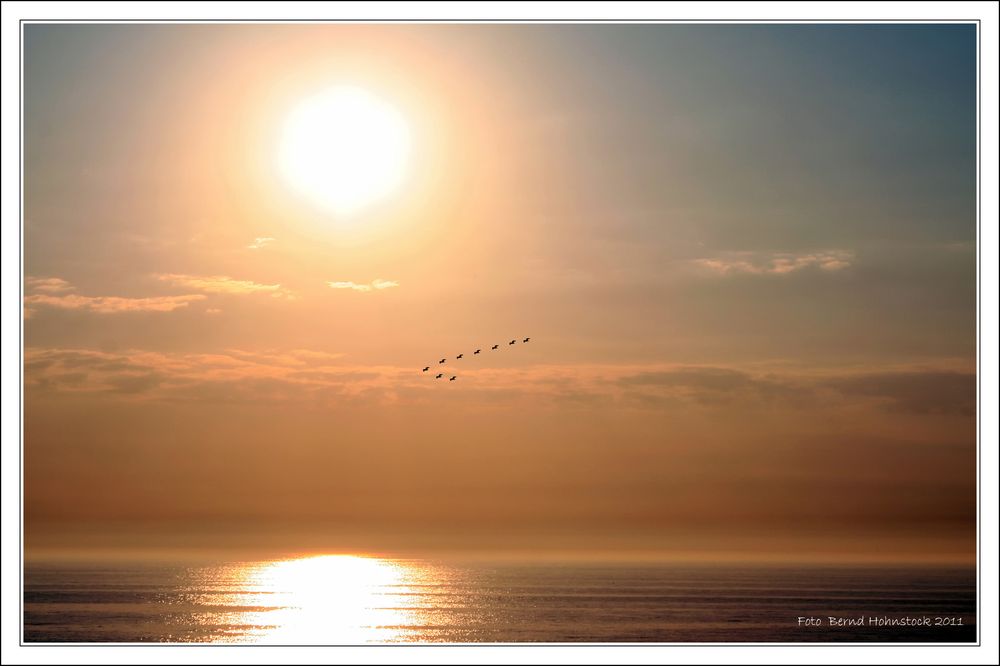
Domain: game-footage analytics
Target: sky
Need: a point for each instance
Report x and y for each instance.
(744, 254)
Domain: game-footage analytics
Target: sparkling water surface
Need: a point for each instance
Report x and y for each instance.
(337, 600)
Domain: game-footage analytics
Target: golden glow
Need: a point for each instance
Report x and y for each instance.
(330, 599)
(344, 148)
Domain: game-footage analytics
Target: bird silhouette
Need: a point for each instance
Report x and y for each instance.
(439, 375)
(426, 369)
(477, 351)
(512, 342)
(442, 361)
(452, 378)
(495, 346)
(460, 356)
(525, 340)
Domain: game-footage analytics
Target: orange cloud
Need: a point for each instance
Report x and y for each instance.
(50, 285)
(260, 241)
(776, 263)
(54, 295)
(223, 284)
(375, 285)
(111, 304)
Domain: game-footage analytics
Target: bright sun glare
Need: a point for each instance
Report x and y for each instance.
(345, 148)
(340, 598)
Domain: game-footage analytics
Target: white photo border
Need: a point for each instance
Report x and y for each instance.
(985, 14)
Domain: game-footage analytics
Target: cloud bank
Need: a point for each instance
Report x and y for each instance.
(310, 376)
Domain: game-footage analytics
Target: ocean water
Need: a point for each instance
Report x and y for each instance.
(346, 600)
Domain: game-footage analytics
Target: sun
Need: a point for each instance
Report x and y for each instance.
(344, 148)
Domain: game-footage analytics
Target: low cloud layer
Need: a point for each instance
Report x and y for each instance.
(915, 392)
(226, 376)
(754, 263)
(374, 285)
(929, 391)
(313, 376)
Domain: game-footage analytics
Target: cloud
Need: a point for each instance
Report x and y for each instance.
(134, 383)
(930, 392)
(223, 284)
(716, 379)
(111, 304)
(751, 263)
(374, 285)
(713, 385)
(227, 376)
(53, 292)
(260, 241)
(48, 285)
(325, 378)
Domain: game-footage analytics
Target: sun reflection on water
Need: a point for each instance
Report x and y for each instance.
(330, 599)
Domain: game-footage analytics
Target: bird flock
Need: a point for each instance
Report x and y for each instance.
(441, 375)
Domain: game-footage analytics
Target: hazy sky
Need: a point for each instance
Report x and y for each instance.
(745, 256)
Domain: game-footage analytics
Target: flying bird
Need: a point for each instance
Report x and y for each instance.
(439, 375)
(452, 378)
(477, 351)
(525, 340)
(426, 369)
(442, 361)
(495, 346)
(460, 356)
(512, 342)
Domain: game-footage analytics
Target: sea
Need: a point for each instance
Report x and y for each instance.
(351, 600)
